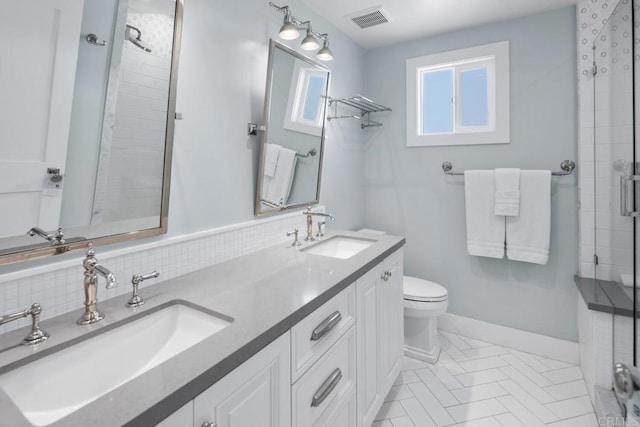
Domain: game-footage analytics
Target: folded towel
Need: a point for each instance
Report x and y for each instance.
(485, 230)
(507, 192)
(278, 188)
(271, 159)
(529, 234)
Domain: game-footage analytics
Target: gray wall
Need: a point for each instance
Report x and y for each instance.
(221, 84)
(221, 87)
(407, 193)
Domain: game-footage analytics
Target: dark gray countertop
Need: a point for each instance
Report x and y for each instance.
(605, 296)
(266, 293)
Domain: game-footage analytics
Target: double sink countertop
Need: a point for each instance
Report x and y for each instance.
(266, 293)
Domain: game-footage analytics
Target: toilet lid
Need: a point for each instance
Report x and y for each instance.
(422, 290)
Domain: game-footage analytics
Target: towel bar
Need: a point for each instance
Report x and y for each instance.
(567, 167)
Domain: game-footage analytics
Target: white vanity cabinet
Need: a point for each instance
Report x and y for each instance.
(332, 369)
(256, 394)
(380, 331)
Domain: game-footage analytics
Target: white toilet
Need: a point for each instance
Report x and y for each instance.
(424, 301)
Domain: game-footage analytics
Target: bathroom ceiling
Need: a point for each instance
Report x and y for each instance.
(411, 19)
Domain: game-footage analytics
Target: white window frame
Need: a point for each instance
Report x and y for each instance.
(293, 119)
(496, 57)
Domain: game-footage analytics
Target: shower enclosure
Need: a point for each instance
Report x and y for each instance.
(609, 157)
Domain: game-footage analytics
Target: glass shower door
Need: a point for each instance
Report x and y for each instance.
(614, 167)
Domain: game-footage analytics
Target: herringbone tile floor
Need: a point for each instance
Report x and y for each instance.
(477, 384)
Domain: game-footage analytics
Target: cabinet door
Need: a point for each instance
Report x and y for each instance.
(369, 393)
(256, 394)
(392, 316)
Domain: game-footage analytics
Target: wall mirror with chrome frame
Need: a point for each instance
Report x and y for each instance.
(292, 144)
(87, 119)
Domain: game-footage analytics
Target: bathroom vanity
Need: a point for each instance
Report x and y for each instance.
(303, 339)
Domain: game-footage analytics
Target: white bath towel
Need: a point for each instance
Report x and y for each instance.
(271, 159)
(485, 230)
(507, 192)
(529, 234)
(278, 188)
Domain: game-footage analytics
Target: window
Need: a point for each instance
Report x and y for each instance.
(459, 97)
(305, 106)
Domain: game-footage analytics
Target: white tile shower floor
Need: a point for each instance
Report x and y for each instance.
(477, 384)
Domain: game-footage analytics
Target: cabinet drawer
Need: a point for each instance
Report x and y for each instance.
(343, 416)
(320, 393)
(315, 334)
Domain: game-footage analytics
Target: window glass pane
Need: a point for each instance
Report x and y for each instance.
(313, 100)
(474, 105)
(437, 108)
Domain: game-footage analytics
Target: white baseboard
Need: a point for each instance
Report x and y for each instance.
(541, 345)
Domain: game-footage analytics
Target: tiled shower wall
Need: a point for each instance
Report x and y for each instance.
(133, 172)
(59, 287)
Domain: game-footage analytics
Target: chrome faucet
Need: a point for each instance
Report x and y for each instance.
(91, 271)
(36, 335)
(310, 215)
(54, 239)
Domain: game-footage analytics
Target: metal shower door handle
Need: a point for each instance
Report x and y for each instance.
(625, 186)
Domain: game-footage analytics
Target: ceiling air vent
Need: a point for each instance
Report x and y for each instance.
(369, 17)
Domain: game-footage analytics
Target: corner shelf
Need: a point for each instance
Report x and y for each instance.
(359, 102)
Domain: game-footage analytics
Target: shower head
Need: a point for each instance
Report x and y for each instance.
(136, 40)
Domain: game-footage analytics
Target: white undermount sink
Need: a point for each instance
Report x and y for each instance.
(51, 388)
(341, 247)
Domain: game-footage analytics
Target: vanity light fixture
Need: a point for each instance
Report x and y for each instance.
(290, 30)
(325, 53)
(310, 42)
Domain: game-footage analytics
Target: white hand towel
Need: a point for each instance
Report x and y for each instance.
(271, 159)
(485, 230)
(507, 192)
(529, 234)
(280, 185)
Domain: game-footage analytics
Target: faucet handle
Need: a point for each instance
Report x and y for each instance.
(36, 335)
(296, 242)
(321, 225)
(136, 300)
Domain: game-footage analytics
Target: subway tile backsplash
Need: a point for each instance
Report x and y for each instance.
(58, 287)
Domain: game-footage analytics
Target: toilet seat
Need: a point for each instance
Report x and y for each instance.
(421, 290)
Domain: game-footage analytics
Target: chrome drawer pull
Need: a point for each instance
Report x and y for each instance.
(326, 388)
(327, 325)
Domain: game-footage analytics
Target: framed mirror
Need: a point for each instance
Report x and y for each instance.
(292, 144)
(87, 117)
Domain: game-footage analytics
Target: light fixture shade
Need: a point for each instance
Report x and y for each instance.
(310, 42)
(288, 31)
(325, 53)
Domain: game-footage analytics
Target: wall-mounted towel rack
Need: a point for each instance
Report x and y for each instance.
(365, 105)
(310, 153)
(567, 167)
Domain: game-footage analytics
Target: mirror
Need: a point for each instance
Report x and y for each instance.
(292, 144)
(87, 117)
